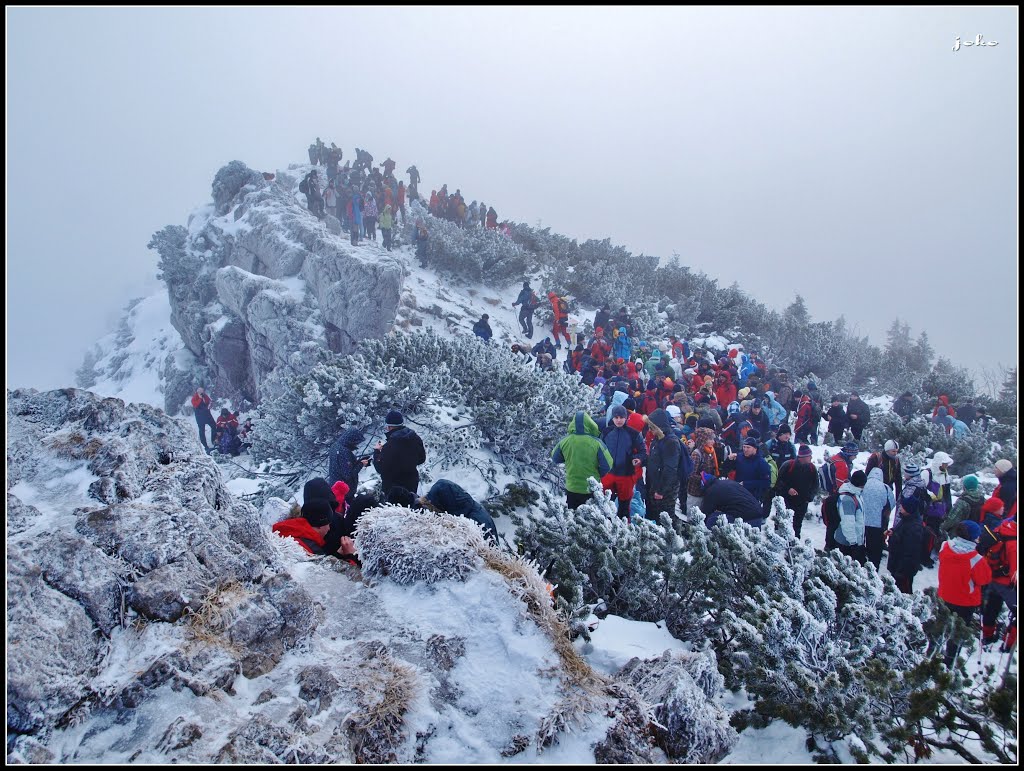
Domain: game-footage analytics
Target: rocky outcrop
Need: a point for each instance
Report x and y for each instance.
(116, 517)
(256, 283)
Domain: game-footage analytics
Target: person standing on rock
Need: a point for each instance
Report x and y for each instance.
(201, 402)
(387, 222)
(397, 457)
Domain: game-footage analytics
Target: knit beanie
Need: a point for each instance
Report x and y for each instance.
(672, 410)
(630, 404)
(992, 506)
(1002, 466)
(784, 430)
(911, 469)
(748, 442)
(858, 478)
(891, 445)
(618, 411)
(804, 451)
(969, 530)
(394, 418)
(970, 482)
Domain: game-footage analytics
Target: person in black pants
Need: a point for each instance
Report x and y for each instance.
(201, 402)
(798, 484)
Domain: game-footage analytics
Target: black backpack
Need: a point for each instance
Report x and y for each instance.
(304, 186)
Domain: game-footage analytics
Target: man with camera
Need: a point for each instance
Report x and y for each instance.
(397, 457)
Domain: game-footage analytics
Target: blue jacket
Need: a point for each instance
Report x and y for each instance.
(451, 498)
(623, 347)
(482, 329)
(342, 464)
(624, 444)
(754, 474)
(776, 412)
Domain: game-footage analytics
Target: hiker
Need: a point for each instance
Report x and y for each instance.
(798, 484)
(355, 216)
(888, 460)
(662, 482)
(584, 456)
(447, 497)
(908, 543)
(528, 300)
(560, 309)
(370, 217)
(905, 406)
(628, 453)
(878, 501)
(962, 573)
(850, 533)
(414, 175)
(387, 221)
(342, 462)
(397, 457)
(1007, 488)
(837, 421)
(421, 237)
(482, 328)
(1002, 559)
(226, 437)
(858, 415)
(731, 500)
(201, 402)
(319, 517)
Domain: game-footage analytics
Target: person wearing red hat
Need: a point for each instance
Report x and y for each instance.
(1000, 549)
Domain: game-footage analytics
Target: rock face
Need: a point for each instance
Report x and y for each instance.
(257, 283)
(113, 520)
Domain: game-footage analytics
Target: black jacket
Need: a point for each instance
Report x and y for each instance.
(663, 463)
(1008, 488)
(624, 444)
(802, 477)
(837, 421)
(907, 546)
(861, 410)
(396, 462)
(342, 464)
(732, 499)
(451, 498)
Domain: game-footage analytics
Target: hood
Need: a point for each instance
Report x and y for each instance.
(770, 395)
(939, 458)
(662, 420)
(875, 474)
(963, 547)
(622, 332)
(656, 354)
(944, 400)
(352, 438)
(582, 424)
(400, 433)
(618, 398)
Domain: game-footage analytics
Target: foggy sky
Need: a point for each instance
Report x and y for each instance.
(849, 155)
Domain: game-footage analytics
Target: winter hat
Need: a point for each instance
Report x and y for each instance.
(784, 429)
(485, 317)
(317, 512)
(891, 445)
(753, 433)
(969, 530)
(673, 411)
(318, 489)
(751, 441)
(340, 490)
(526, 285)
(858, 478)
(394, 418)
(911, 469)
(734, 408)
(992, 505)
(1002, 466)
(804, 451)
(811, 386)
(743, 393)
(850, 448)
(706, 423)
(970, 482)
(618, 411)
(630, 404)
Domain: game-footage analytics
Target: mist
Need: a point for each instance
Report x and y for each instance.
(848, 155)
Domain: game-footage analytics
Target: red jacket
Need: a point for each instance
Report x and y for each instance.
(725, 391)
(600, 350)
(204, 400)
(1008, 529)
(227, 422)
(553, 298)
(303, 532)
(961, 575)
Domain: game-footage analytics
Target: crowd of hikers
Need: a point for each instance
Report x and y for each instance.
(363, 196)
(679, 426)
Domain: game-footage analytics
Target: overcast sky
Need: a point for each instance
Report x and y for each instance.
(850, 155)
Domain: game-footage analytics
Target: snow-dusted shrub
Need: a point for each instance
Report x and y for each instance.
(418, 546)
(385, 689)
(475, 254)
(684, 687)
(919, 437)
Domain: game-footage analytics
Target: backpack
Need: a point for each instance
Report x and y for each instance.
(995, 552)
(304, 186)
(974, 513)
(534, 300)
(775, 470)
(563, 306)
(827, 476)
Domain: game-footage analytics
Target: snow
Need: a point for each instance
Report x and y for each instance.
(55, 491)
(616, 640)
(778, 744)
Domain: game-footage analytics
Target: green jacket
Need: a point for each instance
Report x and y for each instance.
(583, 454)
(387, 219)
(960, 510)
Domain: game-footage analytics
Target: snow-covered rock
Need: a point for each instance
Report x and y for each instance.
(254, 281)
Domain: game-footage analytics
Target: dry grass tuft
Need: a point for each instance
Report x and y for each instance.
(384, 690)
(209, 623)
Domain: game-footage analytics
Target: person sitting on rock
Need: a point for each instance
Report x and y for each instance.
(311, 529)
(482, 328)
(227, 433)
